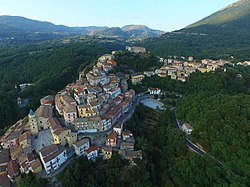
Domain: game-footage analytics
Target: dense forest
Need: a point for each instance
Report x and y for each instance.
(130, 62)
(49, 68)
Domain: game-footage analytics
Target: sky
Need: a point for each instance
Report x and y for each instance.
(166, 15)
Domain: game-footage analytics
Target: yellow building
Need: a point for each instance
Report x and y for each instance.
(202, 70)
(137, 77)
(86, 111)
(71, 138)
(60, 136)
(107, 152)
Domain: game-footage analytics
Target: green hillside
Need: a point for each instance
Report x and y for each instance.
(221, 35)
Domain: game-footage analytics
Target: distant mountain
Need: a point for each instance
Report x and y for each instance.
(129, 31)
(220, 35)
(21, 29)
(235, 12)
(22, 24)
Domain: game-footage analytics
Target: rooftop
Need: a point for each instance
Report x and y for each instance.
(4, 156)
(54, 123)
(92, 148)
(81, 142)
(44, 111)
(51, 151)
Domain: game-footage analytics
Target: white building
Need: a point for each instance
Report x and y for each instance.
(154, 91)
(92, 153)
(187, 128)
(52, 157)
(81, 146)
(118, 128)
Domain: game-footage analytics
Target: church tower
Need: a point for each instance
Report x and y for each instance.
(33, 122)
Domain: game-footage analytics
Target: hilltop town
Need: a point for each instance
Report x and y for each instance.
(97, 104)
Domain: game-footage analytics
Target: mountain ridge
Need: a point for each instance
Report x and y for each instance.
(223, 34)
(21, 24)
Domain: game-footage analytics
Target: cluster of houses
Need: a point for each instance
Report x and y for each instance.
(179, 69)
(94, 103)
(17, 154)
(97, 100)
(122, 141)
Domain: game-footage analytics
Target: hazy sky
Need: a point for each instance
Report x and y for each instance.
(166, 15)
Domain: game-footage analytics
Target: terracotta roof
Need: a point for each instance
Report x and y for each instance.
(4, 180)
(12, 168)
(92, 148)
(54, 123)
(112, 135)
(60, 130)
(127, 133)
(30, 157)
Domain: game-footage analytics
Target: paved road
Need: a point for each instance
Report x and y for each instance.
(188, 142)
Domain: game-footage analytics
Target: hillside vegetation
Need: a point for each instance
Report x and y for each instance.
(221, 35)
(49, 68)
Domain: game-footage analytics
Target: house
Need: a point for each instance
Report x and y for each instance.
(118, 128)
(60, 135)
(111, 139)
(92, 153)
(52, 157)
(35, 166)
(71, 138)
(4, 158)
(112, 62)
(81, 146)
(13, 170)
(54, 124)
(106, 121)
(47, 100)
(126, 134)
(25, 140)
(136, 49)
(114, 92)
(154, 91)
(131, 155)
(115, 113)
(85, 111)
(106, 57)
(107, 152)
(69, 114)
(137, 78)
(202, 70)
(127, 146)
(187, 128)
(30, 164)
(93, 124)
